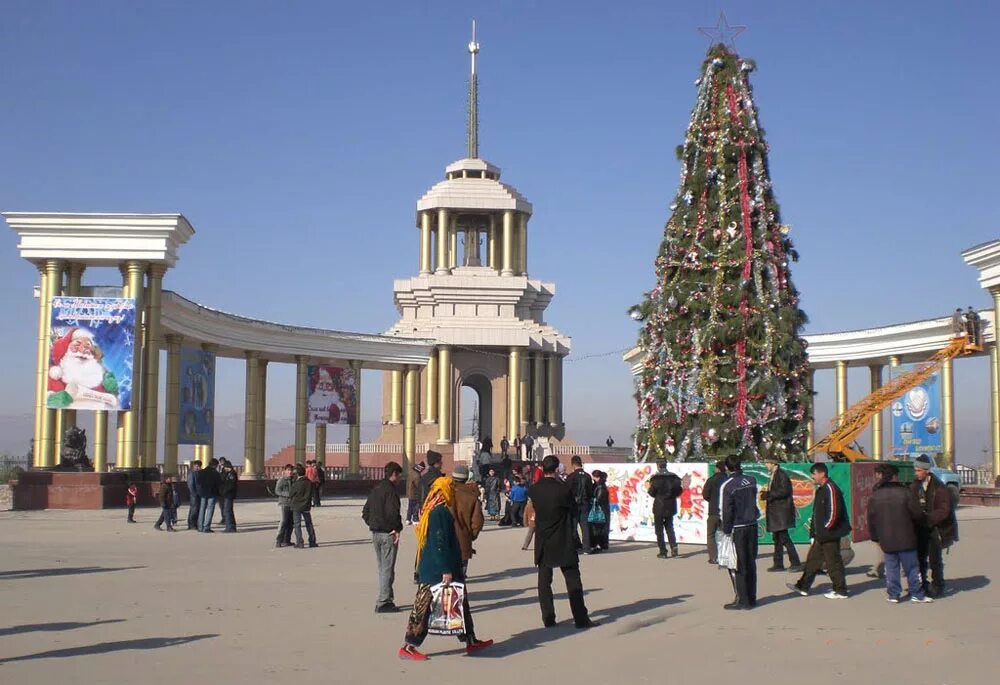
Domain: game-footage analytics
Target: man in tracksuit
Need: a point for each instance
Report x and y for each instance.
(738, 500)
(829, 524)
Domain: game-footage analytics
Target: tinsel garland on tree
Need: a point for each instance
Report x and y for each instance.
(724, 368)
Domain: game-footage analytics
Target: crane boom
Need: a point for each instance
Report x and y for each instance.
(848, 426)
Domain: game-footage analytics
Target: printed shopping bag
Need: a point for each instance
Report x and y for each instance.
(447, 614)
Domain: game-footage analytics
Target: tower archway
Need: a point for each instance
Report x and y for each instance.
(482, 390)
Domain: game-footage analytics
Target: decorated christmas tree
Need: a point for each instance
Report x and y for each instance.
(724, 368)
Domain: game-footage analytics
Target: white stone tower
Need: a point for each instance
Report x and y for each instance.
(480, 306)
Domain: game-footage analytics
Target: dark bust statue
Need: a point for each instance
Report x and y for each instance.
(73, 456)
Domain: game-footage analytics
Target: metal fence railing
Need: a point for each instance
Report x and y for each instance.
(978, 476)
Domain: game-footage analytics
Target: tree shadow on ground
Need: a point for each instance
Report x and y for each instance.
(53, 627)
(107, 647)
(538, 637)
(62, 571)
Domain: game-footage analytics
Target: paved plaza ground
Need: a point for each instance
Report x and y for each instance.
(86, 598)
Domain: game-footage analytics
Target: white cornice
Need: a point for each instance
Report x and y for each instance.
(985, 258)
(473, 195)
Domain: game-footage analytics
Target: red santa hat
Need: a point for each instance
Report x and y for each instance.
(61, 346)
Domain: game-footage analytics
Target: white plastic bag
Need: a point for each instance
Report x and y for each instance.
(447, 613)
(727, 551)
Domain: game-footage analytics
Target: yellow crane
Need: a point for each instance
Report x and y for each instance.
(846, 428)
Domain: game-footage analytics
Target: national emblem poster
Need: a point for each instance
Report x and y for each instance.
(196, 420)
(916, 416)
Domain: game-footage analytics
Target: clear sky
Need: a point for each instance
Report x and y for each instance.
(297, 136)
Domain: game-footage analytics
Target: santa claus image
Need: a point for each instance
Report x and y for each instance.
(77, 377)
(325, 403)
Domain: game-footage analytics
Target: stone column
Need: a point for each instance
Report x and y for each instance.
(876, 383)
(491, 244)
(152, 365)
(301, 400)
(250, 466)
(172, 416)
(522, 244)
(524, 393)
(259, 442)
(396, 397)
(551, 383)
(410, 418)
(948, 411)
(354, 433)
(430, 389)
(443, 241)
(538, 385)
(841, 367)
(425, 243)
(134, 273)
(444, 394)
(513, 379)
(507, 260)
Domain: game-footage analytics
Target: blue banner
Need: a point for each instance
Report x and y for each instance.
(916, 416)
(197, 405)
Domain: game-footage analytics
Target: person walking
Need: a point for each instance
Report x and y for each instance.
(227, 493)
(166, 498)
(581, 485)
(599, 529)
(893, 516)
(300, 502)
(194, 500)
(556, 512)
(937, 531)
(413, 493)
(381, 514)
(828, 525)
(528, 443)
(491, 487)
(529, 523)
(710, 493)
(468, 513)
(439, 560)
(738, 508)
(131, 497)
(177, 500)
(664, 487)
(283, 489)
(209, 481)
(780, 516)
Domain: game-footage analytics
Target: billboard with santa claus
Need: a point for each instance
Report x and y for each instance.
(332, 395)
(197, 397)
(90, 355)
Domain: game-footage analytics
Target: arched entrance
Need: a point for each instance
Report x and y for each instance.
(475, 399)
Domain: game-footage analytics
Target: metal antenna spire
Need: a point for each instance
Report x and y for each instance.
(472, 125)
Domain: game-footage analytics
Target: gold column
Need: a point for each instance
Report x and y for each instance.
(551, 382)
(100, 441)
(119, 416)
(811, 422)
(74, 285)
(430, 389)
(491, 243)
(513, 381)
(250, 466)
(558, 421)
(206, 454)
(876, 383)
(444, 394)
(396, 397)
(507, 267)
(425, 243)
(45, 445)
(538, 385)
(134, 273)
(410, 418)
(41, 366)
(152, 364)
(354, 433)
(995, 404)
(58, 415)
(301, 401)
(453, 242)
(894, 360)
(443, 242)
(841, 367)
(172, 416)
(522, 244)
(524, 393)
(948, 409)
(260, 443)
(320, 453)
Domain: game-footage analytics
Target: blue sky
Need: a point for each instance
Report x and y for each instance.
(297, 137)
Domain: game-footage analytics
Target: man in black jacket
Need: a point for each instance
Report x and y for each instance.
(938, 530)
(581, 485)
(208, 480)
(227, 491)
(739, 511)
(664, 488)
(893, 516)
(710, 493)
(432, 473)
(555, 545)
(300, 502)
(780, 516)
(828, 525)
(381, 514)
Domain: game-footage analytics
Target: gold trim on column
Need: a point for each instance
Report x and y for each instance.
(354, 432)
(134, 273)
(876, 382)
(425, 243)
(41, 367)
(45, 447)
(301, 401)
(444, 373)
(443, 241)
(100, 446)
(507, 258)
(948, 410)
(410, 418)
(250, 417)
(522, 244)
(538, 387)
(395, 397)
(430, 389)
(841, 369)
(995, 406)
(171, 421)
(513, 389)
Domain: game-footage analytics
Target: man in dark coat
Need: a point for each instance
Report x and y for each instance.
(227, 493)
(738, 507)
(939, 526)
(381, 515)
(300, 502)
(208, 483)
(555, 544)
(829, 524)
(893, 516)
(710, 493)
(581, 485)
(194, 501)
(780, 516)
(413, 500)
(432, 473)
(664, 488)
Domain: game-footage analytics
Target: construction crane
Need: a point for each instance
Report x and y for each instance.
(849, 425)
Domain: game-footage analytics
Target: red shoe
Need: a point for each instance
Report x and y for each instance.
(477, 645)
(412, 654)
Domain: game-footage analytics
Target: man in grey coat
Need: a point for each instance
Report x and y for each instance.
(283, 488)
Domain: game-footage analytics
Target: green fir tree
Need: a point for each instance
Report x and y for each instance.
(724, 368)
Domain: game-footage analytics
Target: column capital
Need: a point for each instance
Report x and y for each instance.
(250, 354)
(356, 365)
(135, 266)
(76, 268)
(262, 361)
(301, 359)
(50, 265)
(157, 270)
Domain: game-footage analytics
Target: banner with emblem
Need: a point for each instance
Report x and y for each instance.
(332, 395)
(196, 418)
(916, 416)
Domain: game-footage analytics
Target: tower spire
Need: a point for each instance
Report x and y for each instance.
(472, 125)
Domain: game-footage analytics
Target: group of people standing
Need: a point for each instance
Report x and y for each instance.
(208, 486)
(967, 324)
